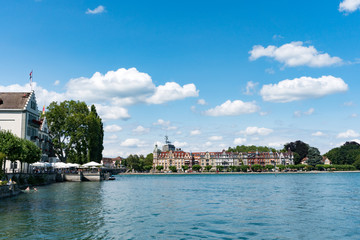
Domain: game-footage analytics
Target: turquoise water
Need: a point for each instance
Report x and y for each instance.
(247, 206)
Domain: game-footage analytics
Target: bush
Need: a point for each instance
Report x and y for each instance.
(244, 168)
(196, 167)
(173, 168)
(3, 183)
(220, 168)
(159, 167)
(256, 167)
(208, 168)
(281, 167)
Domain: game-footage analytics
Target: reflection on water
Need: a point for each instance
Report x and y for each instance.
(285, 206)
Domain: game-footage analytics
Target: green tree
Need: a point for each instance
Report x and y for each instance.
(244, 168)
(346, 154)
(30, 153)
(159, 167)
(269, 167)
(173, 168)
(357, 162)
(76, 132)
(220, 168)
(185, 167)
(208, 167)
(11, 146)
(95, 136)
(196, 167)
(314, 157)
(148, 162)
(281, 167)
(256, 167)
(299, 147)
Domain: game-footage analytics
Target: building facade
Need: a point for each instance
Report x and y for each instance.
(178, 158)
(19, 114)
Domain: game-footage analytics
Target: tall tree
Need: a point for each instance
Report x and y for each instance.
(76, 132)
(314, 156)
(299, 147)
(95, 136)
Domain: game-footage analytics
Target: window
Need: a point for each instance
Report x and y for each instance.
(33, 105)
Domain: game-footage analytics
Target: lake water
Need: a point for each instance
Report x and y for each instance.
(246, 206)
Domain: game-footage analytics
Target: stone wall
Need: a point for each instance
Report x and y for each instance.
(9, 190)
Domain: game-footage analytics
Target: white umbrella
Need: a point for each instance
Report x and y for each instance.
(38, 164)
(60, 165)
(74, 165)
(92, 164)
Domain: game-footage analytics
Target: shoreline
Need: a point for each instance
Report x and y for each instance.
(239, 173)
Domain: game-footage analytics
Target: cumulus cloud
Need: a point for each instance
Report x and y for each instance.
(215, 138)
(318, 134)
(112, 128)
(302, 88)
(195, 132)
(132, 142)
(43, 96)
(256, 131)
(234, 108)
(250, 88)
(97, 10)
(122, 83)
(294, 54)
(349, 6)
(172, 91)
(56, 83)
(239, 141)
(348, 134)
(140, 129)
(112, 112)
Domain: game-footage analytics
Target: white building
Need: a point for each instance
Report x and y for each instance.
(20, 115)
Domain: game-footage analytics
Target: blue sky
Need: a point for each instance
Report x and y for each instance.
(209, 74)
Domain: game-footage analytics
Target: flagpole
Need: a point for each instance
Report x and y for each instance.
(31, 77)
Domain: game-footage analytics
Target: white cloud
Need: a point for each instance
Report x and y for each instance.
(112, 112)
(195, 132)
(250, 88)
(277, 145)
(208, 144)
(112, 137)
(308, 112)
(269, 71)
(356, 140)
(318, 134)
(97, 10)
(257, 131)
(141, 129)
(215, 138)
(234, 108)
(43, 96)
(172, 91)
(164, 124)
(349, 5)
(354, 115)
(239, 141)
(294, 54)
(56, 83)
(201, 102)
(348, 134)
(180, 144)
(302, 88)
(112, 128)
(132, 142)
(122, 83)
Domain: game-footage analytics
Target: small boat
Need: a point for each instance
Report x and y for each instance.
(111, 178)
